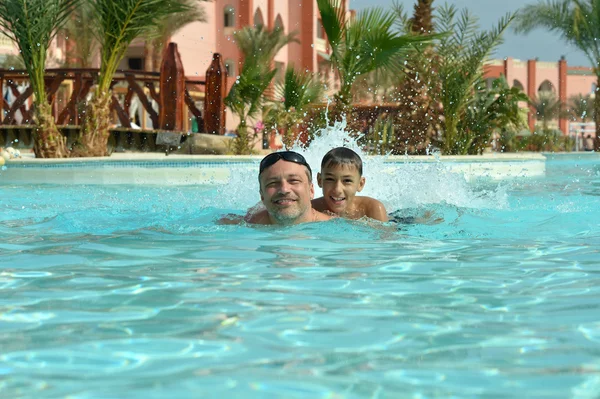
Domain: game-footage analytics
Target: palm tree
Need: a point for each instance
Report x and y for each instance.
(157, 39)
(31, 25)
(419, 113)
(363, 45)
(460, 60)
(581, 107)
(493, 110)
(258, 47)
(78, 31)
(547, 108)
(578, 23)
(117, 24)
(292, 97)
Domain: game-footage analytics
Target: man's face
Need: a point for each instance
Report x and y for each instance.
(340, 183)
(286, 192)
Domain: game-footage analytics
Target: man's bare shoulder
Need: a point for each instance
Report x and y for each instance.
(321, 217)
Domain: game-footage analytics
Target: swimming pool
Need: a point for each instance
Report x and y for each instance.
(126, 291)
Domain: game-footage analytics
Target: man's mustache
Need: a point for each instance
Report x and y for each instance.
(285, 197)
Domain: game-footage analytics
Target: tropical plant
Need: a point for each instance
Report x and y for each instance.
(548, 108)
(362, 45)
(492, 110)
(117, 24)
(246, 97)
(157, 39)
(79, 33)
(460, 60)
(548, 140)
(381, 137)
(578, 23)
(509, 141)
(292, 97)
(581, 107)
(31, 25)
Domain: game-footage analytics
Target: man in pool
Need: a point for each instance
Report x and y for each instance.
(341, 178)
(286, 191)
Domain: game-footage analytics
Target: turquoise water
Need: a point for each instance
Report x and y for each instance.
(135, 292)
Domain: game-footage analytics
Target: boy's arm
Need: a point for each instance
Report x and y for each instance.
(376, 210)
(260, 217)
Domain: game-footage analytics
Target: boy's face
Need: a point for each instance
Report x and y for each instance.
(340, 183)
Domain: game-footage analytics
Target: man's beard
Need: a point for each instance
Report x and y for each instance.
(284, 217)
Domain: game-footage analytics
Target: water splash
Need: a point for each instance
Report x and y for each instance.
(399, 185)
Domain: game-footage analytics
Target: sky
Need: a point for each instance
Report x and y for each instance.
(539, 43)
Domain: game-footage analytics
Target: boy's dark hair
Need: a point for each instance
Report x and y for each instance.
(342, 156)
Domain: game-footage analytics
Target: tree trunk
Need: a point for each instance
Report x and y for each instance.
(159, 48)
(597, 114)
(450, 136)
(48, 142)
(148, 56)
(96, 128)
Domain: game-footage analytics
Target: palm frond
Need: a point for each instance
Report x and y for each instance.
(364, 44)
(298, 89)
(333, 20)
(118, 23)
(261, 44)
(259, 47)
(402, 19)
(31, 25)
(173, 23)
(84, 38)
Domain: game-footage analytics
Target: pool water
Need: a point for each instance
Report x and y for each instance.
(136, 292)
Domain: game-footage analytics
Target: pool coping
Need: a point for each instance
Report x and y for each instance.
(28, 159)
(178, 169)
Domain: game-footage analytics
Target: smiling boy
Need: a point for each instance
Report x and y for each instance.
(341, 178)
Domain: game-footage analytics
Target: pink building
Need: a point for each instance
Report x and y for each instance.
(534, 76)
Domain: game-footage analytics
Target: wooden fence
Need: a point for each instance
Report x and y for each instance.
(168, 98)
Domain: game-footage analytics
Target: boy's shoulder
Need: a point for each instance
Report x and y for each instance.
(372, 208)
(363, 199)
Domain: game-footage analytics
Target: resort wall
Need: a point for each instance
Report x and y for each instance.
(534, 76)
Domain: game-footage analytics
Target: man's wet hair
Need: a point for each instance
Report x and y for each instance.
(288, 156)
(342, 156)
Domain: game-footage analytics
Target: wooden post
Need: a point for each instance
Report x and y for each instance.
(1, 97)
(172, 89)
(562, 93)
(214, 97)
(531, 91)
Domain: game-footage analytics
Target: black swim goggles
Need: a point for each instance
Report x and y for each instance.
(289, 156)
